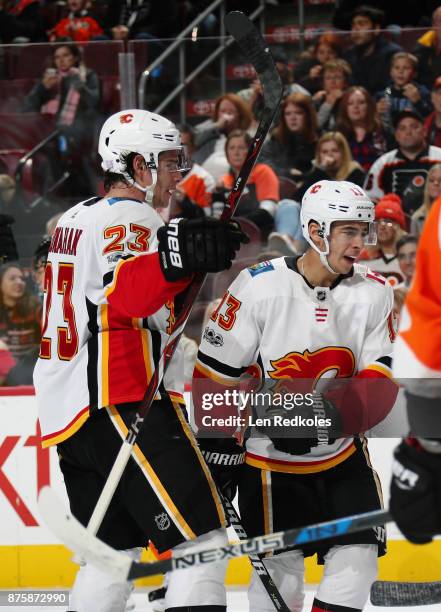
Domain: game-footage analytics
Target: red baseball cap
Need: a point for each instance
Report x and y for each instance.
(389, 207)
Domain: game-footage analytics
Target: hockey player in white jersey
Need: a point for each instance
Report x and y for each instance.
(316, 318)
(113, 273)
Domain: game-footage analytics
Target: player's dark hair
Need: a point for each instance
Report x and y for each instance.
(406, 239)
(112, 178)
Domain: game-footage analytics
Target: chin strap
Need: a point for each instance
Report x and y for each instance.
(323, 254)
(148, 191)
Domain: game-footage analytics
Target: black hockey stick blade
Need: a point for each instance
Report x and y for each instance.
(81, 541)
(384, 593)
(252, 44)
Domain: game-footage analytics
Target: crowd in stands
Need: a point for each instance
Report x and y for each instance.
(366, 111)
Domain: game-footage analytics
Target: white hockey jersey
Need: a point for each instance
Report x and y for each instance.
(104, 324)
(272, 317)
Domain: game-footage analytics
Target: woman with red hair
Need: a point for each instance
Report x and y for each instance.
(291, 147)
(308, 72)
(357, 119)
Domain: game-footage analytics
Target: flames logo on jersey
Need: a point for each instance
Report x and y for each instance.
(312, 365)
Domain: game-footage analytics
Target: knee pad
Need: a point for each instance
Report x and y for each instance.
(201, 585)
(287, 572)
(96, 590)
(349, 574)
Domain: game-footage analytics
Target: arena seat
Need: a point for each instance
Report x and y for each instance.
(287, 187)
(24, 130)
(13, 93)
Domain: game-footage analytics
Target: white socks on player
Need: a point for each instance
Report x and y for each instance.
(203, 585)
(287, 572)
(349, 574)
(96, 590)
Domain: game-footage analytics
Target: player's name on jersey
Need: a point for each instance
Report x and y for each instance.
(275, 421)
(65, 240)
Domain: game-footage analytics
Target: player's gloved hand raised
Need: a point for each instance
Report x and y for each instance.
(198, 245)
(225, 458)
(415, 501)
(8, 247)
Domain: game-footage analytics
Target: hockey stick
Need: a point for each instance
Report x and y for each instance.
(405, 593)
(81, 541)
(256, 561)
(254, 48)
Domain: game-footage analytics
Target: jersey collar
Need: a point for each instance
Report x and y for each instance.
(291, 263)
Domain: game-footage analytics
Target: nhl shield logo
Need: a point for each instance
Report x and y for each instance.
(162, 521)
(321, 295)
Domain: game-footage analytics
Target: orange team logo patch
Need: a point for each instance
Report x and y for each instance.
(312, 365)
(126, 118)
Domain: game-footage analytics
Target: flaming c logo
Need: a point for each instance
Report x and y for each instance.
(126, 118)
(313, 365)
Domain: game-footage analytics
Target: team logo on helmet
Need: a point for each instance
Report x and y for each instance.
(126, 118)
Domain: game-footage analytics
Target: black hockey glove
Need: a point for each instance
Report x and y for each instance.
(8, 247)
(198, 245)
(225, 458)
(299, 430)
(415, 501)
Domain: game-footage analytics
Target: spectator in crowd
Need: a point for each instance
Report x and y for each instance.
(406, 255)
(433, 121)
(29, 222)
(195, 191)
(142, 20)
(370, 53)
(428, 51)
(403, 170)
(20, 312)
(291, 146)
(382, 257)
(8, 246)
(21, 372)
(333, 161)
(309, 70)
(21, 21)
(253, 95)
(403, 91)
(261, 194)
(79, 25)
(39, 266)
(230, 113)
(357, 119)
(399, 297)
(432, 191)
(71, 92)
(336, 77)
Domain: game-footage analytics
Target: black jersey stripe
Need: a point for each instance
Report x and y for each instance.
(92, 354)
(220, 367)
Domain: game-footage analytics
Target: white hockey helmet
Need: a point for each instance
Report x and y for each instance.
(329, 201)
(138, 131)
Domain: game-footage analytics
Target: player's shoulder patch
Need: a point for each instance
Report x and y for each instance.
(264, 266)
